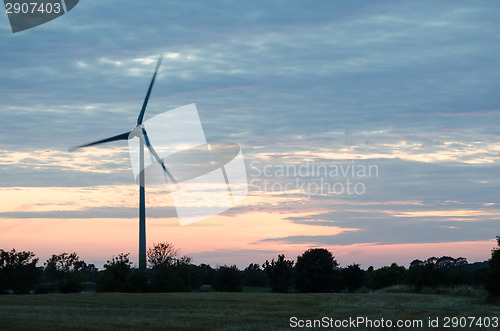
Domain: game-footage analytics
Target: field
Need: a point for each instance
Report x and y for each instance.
(219, 311)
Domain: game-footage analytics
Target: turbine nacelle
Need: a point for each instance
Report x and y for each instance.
(139, 131)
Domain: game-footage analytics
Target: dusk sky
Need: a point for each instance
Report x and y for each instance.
(370, 128)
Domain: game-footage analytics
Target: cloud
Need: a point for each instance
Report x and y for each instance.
(307, 69)
(411, 88)
(379, 229)
(89, 213)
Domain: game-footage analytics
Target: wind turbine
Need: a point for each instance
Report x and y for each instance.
(140, 132)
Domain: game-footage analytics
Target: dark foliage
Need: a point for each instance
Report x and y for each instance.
(479, 272)
(431, 275)
(493, 281)
(164, 253)
(443, 271)
(388, 276)
(228, 279)
(136, 282)
(115, 276)
(18, 271)
(202, 275)
(169, 271)
(315, 271)
(67, 271)
(352, 278)
(171, 278)
(280, 274)
(253, 275)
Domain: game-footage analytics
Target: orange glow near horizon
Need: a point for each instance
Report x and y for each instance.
(221, 239)
(215, 241)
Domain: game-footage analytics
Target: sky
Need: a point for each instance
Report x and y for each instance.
(367, 128)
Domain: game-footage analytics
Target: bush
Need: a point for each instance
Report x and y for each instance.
(206, 288)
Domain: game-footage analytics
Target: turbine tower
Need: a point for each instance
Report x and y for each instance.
(140, 132)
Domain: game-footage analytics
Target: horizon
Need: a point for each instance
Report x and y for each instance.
(368, 129)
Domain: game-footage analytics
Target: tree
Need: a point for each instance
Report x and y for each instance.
(170, 272)
(202, 275)
(457, 270)
(228, 279)
(253, 275)
(443, 271)
(165, 254)
(316, 270)
(448, 262)
(479, 271)
(18, 271)
(431, 275)
(171, 278)
(280, 273)
(115, 275)
(493, 281)
(389, 276)
(66, 270)
(352, 277)
(415, 270)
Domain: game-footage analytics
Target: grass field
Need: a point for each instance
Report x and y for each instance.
(225, 311)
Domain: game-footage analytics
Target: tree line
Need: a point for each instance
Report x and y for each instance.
(316, 270)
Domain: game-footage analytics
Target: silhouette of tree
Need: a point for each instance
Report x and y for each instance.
(165, 253)
(280, 273)
(415, 270)
(253, 275)
(171, 278)
(352, 277)
(137, 282)
(170, 272)
(228, 279)
(90, 273)
(431, 275)
(388, 276)
(315, 271)
(115, 275)
(66, 270)
(479, 271)
(203, 274)
(493, 281)
(460, 273)
(18, 271)
(443, 271)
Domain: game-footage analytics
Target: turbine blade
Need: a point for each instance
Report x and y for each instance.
(144, 105)
(122, 136)
(152, 151)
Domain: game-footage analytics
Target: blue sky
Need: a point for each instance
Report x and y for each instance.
(411, 87)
